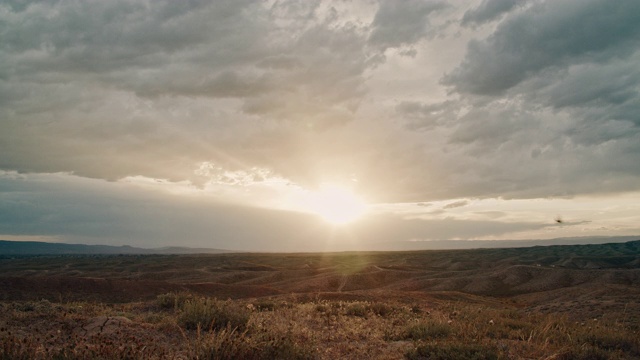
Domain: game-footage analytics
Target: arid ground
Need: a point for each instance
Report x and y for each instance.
(552, 302)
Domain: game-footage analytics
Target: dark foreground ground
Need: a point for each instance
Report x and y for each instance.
(557, 302)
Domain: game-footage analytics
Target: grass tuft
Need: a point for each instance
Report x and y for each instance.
(172, 300)
(426, 330)
(230, 344)
(212, 314)
(449, 351)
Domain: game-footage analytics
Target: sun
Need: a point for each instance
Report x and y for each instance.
(335, 205)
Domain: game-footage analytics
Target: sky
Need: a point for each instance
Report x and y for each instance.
(318, 125)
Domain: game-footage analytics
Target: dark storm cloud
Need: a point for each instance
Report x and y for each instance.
(550, 98)
(512, 151)
(596, 91)
(489, 10)
(551, 35)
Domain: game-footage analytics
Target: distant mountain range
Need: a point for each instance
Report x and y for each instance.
(47, 248)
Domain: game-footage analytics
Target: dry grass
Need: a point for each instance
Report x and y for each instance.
(207, 328)
(489, 304)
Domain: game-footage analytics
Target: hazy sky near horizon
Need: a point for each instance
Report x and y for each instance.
(218, 123)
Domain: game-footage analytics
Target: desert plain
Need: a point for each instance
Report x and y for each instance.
(542, 302)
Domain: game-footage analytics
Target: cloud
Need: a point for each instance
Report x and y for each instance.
(94, 211)
(110, 90)
(516, 151)
(595, 92)
(456, 204)
(421, 116)
(489, 10)
(539, 103)
(549, 35)
(390, 229)
(195, 48)
(400, 23)
(97, 212)
(545, 104)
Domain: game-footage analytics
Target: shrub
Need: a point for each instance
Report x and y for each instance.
(356, 309)
(588, 353)
(13, 348)
(27, 306)
(426, 331)
(452, 351)
(229, 344)
(173, 300)
(212, 314)
(265, 305)
(612, 341)
(381, 309)
(225, 344)
(276, 346)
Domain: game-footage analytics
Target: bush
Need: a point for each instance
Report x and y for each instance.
(613, 341)
(265, 305)
(275, 346)
(212, 314)
(588, 353)
(13, 348)
(452, 351)
(173, 300)
(381, 309)
(228, 344)
(426, 331)
(357, 309)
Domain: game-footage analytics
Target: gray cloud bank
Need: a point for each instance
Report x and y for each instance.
(97, 212)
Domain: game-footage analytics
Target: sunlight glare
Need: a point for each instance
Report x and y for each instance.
(336, 205)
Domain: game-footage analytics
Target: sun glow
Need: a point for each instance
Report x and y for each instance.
(335, 205)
